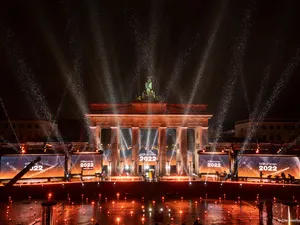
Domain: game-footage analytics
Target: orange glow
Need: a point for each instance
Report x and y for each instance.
(23, 151)
(125, 178)
(118, 219)
(178, 178)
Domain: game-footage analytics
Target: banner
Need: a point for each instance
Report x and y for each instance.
(50, 166)
(268, 165)
(89, 164)
(211, 163)
(148, 157)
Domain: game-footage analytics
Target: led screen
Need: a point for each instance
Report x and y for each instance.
(252, 165)
(49, 166)
(88, 164)
(212, 163)
(148, 156)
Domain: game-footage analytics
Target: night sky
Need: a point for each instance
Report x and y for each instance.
(56, 57)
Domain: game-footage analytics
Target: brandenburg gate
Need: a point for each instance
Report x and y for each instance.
(149, 112)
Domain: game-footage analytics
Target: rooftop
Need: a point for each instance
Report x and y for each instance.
(291, 120)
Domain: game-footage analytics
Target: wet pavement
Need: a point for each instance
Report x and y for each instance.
(176, 211)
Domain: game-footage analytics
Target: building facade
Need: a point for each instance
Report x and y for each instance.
(269, 130)
(26, 130)
(148, 113)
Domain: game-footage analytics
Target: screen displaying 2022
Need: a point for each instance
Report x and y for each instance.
(88, 164)
(253, 165)
(49, 166)
(212, 163)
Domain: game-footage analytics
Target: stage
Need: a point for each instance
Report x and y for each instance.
(139, 189)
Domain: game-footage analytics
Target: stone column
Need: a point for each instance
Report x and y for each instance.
(183, 150)
(98, 137)
(93, 137)
(135, 149)
(204, 136)
(198, 146)
(162, 142)
(114, 150)
(99, 144)
(177, 148)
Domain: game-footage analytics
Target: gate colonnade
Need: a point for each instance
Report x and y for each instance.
(160, 116)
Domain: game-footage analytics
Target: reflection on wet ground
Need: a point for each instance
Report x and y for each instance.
(142, 212)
